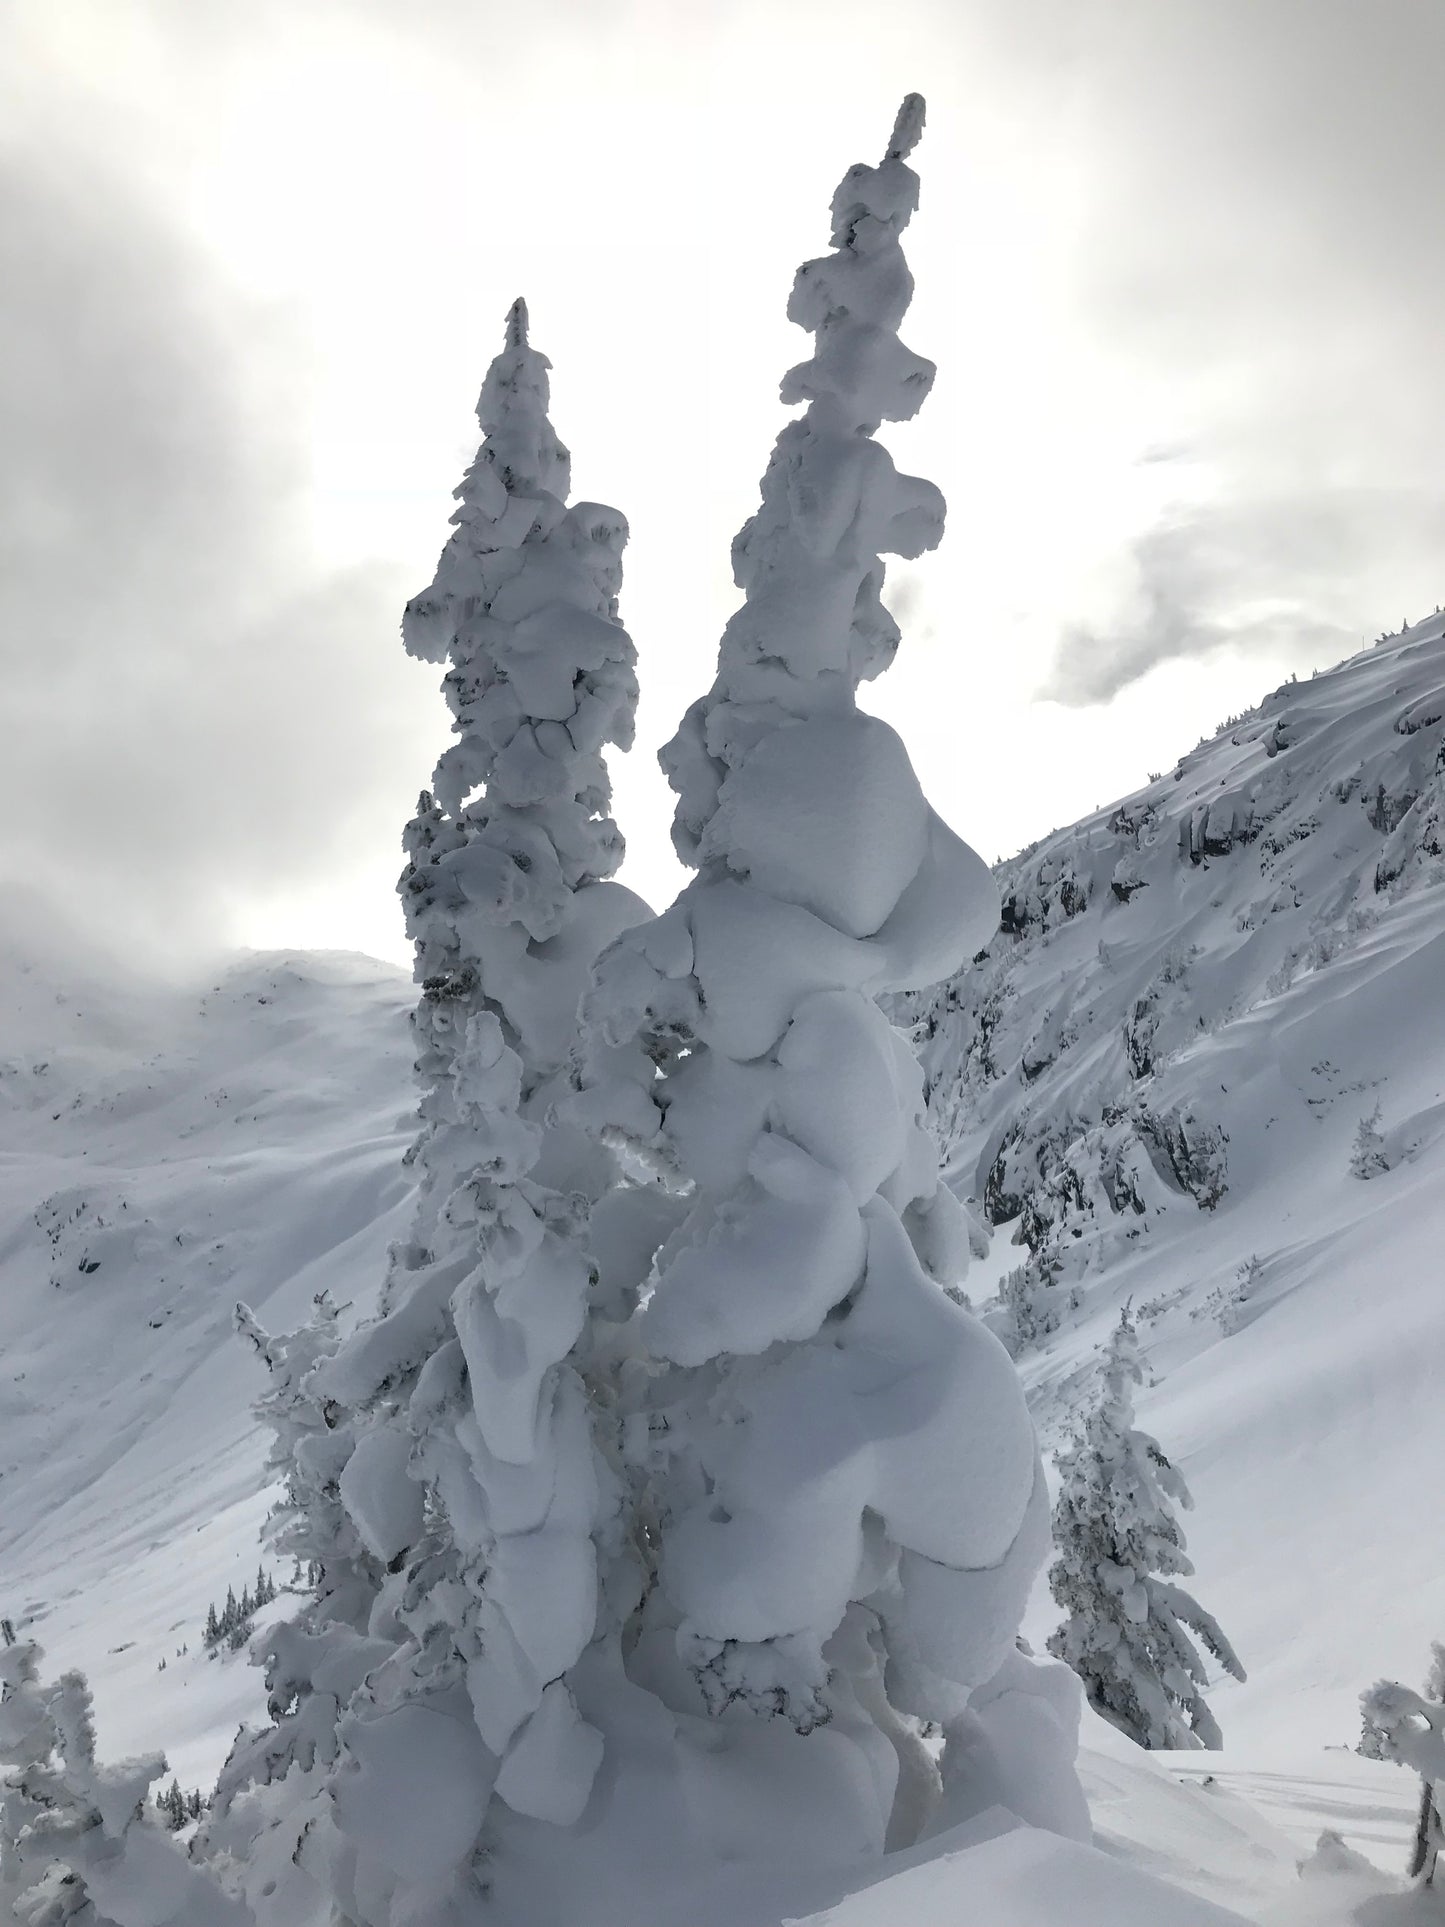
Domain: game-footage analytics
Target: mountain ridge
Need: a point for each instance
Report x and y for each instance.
(1207, 1004)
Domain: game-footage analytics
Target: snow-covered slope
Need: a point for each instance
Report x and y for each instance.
(163, 1153)
(1151, 1085)
(1155, 1075)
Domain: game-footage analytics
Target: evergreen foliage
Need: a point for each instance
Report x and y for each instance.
(232, 1626)
(178, 1808)
(1120, 1550)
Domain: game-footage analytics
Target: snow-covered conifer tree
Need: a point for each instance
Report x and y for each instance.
(844, 1509)
(1370, 1154)
(313, 1660)
(76, 1840)
(1409, 1728)
(471, 1476)
(311, 1443)
(1120, 1549)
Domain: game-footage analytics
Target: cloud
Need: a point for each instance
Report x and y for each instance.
(193, 709)
(1279, 579)
(1173, 261)
(1258, 182)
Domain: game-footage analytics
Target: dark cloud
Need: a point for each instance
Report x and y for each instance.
(193, 716)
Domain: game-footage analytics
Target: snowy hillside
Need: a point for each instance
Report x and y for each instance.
(1151, 1086)
(163, 1153)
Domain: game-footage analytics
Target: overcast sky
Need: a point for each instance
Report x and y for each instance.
(1179, 263)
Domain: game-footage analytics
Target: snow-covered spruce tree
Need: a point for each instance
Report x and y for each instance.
(1120, 1549)
(1409, 1728)
(315, 1659)
(474, 1481)
(77, 1843)
(843, 1509)
(504, 895)
(311, 1445)
(1370, 1155)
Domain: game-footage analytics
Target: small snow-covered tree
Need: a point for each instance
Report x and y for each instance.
(798, 1372)
(77, 1843)
(1370, 1155)
(311, 1444)
(171, 1803)
(315, 1659)
(1120, 1550)
(1409, 1728)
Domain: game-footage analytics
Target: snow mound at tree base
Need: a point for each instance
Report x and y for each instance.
(1009, 1875)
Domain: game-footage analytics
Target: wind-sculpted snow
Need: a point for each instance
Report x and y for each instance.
(801, 1363)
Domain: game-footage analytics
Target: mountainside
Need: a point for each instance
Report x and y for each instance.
(162, 1154)
(1150, 1086)
(1208, 1008)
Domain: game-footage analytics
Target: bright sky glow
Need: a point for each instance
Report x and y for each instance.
(1119, 237)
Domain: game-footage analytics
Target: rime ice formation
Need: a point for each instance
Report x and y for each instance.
(472, 1480)
(816, 1576)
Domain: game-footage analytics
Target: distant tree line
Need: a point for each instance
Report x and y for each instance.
(231, 1626)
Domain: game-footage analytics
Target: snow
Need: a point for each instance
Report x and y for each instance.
(265, 1118)
(1024, 1877)
(376, 1491)
(468, 1469)
(855, 819)
(413, 1789)
(802, 1362)
(1289, 1430)
(1152, 1089)
(1290, 1330)
(257, 1120)
(550, 1767)
(766, 1265)
(1129, 1629)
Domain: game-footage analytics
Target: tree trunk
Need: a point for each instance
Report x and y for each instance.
(1428, 1831)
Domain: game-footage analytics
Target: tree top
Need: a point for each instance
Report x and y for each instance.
(907, 128)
